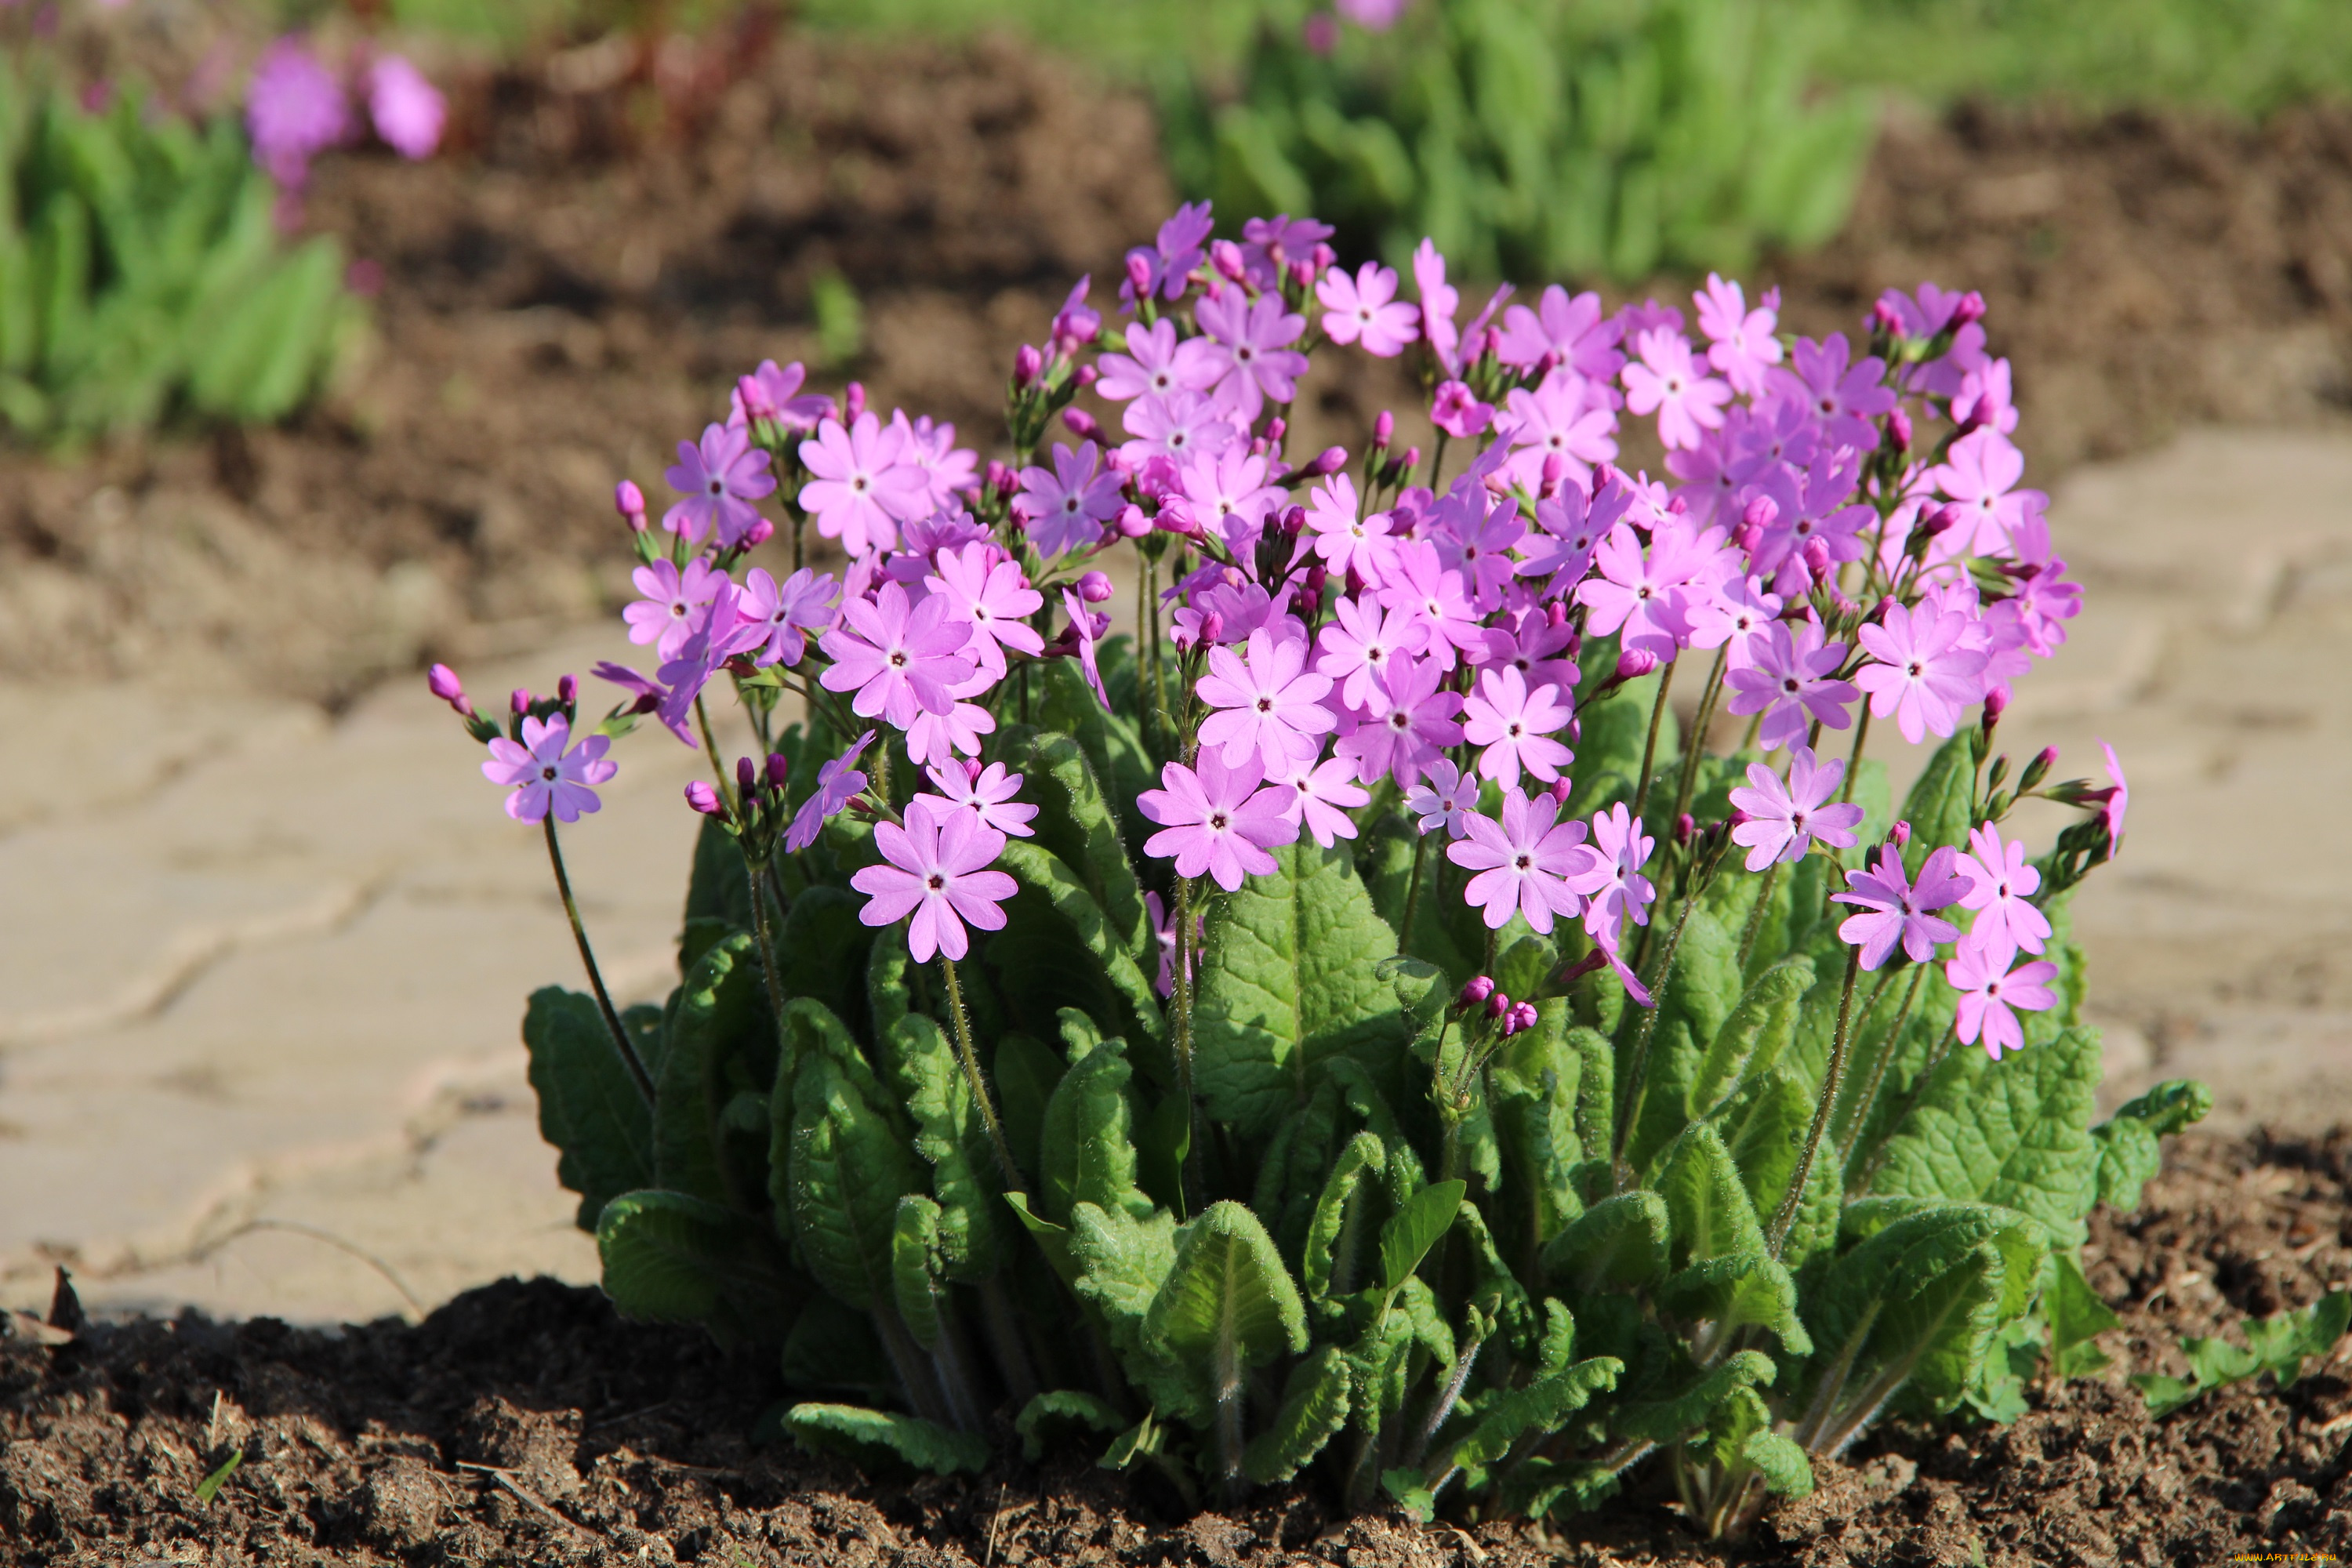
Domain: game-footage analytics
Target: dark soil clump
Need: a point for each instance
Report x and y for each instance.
(525, 1423)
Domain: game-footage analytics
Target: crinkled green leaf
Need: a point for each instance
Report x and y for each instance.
(1088, 1151)
(719, 889)
(1677, 1415)
(1335, 1233)
(1075, 822)
(875, 1440)
(1058, 1413)
(2277, 1344)
(1751, 1039)
(914, 1283)
(1786, 1470)
(2129, 1154)
(589, 1107)
(1314, 1407)
(1407, 1235)
(1620, 1243)
(950, 1134)
(720, 1022)
(1533, 1084)
(1286, 983)
(1228, 1287)
(2077, 1314)
(2015, 1132)
(1026, 1073)
(1938, 807)
(1123, 1262)
(1706, 1202)
(673, 1258)
(1694, 1004)
(821, 952)
(841, 1177)
(1054, 920)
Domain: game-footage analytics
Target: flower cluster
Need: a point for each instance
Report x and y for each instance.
(1325, 642)
(296, 107)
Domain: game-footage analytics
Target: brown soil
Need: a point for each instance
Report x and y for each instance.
(523, 1423)
(564, 300)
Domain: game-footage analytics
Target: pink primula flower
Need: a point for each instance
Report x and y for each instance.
(1215, 821)
(1252, 338)
(720, 476)
(1358, 642)
(1524, 864)
(1409, 722)
(987, 793)
(1665, 382)
(1792, 681)
(543, 776)
(1610, 880)
(984, 588)
(407, 109)
(1740, 341)
(1067, 505)
(1447, 797)
(1784, 819)
(1514, 723)
(1156, 362)
(900, 659)
(1991, 991)
(1980, 476)
(2001, 881)
(862, 489)
(664, 616)
(1924, 673)
(937, 870)
(1320, 793)
(1894, 909)
(1366, 309)
(1575, 332)
(787, 611)
(838, 782)
(1265, 704)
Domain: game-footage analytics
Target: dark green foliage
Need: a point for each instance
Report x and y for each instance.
(1534, 139)
(141, 276)
(1385, 1247)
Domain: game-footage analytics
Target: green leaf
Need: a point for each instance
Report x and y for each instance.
(821, 952)
(914, 1286)
(1677, 1415)
(1327, 1258)
(1076, 822)
(1314, 1407)
(1054, 1416)
(2015, 1133)
(1750, 1043)
(1543, 1405)
(950, 1134)
(2129, 1154)
(1738, 1289)
(1026, 1073)
(1709, 1208)
(721, 1021)
(1786, 1470)
(1620, 1243)
(843, 1173)
(1696, 1002)
(589, 1107)
(1414, 1228)
(1055, 894)
(671, 1259)
(834, 1348)
(209, 1488)
(1286, 983)
(2078, 1313)
(1122, 1264)
(2277, 1344)
(1228, 1288)
(1087, 1153)
(1533, 1085)
(876, 1440)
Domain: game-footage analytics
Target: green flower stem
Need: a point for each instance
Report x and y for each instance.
(1708, 697)
(1853, 758)
(1787, 1214)
(1629, 1093)
(1886, 1050)
(1180, 1028)
(1756, 916)
(1650, 746)
(629, 1057)
(978, 1084)
(718, 768)
(1436, 460)
(1412, 894)
(1910, 1103)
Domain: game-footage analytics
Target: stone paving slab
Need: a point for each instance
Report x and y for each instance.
(261, 970)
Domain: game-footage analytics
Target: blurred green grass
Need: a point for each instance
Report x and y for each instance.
(2250, 56)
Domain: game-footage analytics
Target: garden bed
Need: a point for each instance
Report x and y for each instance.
(562, 299)
(524, 1423)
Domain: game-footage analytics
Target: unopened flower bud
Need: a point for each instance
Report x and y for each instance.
(1212, 628)
(1302, 274)
(1027, 365)
(703, 798)
(1898, 432)
(518, 701)
(567, 691)
(1899, 835)
(1556, 616)
(1604, 474)
(778, 770)
(1475, 991)
(1635, 663)
(443, 682)
(1383, 430)
(1226, 257)
(853, 402)
(1324, 257)
(2038, 769)
(1082, 424)
(1686, 826)
(1497, 1005)
(1320, 33)
(1293, 521)
(1086, 377)
(753, 395)
(1561, 788)
(1328, 461)
(1001, 479)
(1522, 1019)
(1095, 587)
(1138, 274)
(1275, 429)
(1996, 703)
(1555, 469)
(1970, 308)
(1844, 608)
(1412, 458)
(630, 502)
(1547, 364)
(747, 776)
(1678, 505)
(1817, 558)
(1130, 522)
(759, 533)
(1884, 318)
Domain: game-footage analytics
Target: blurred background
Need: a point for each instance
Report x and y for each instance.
(326, 326)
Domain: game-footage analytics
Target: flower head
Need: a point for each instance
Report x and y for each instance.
(987, 793)
(786, 611)
(1215, 820)
(1445, 798)
(1925, 671)
(779, 391)
(666, 616)
(937, 869)
(1319, 794)
(984, 588)
(1252, 337)
(1266, 703)
(1612, 881)
(2001, 880)
(1897, 909)
(1365, 308)
(543, 776)
(407, 109)
(899, 659)
(1784, 819)
(1665, 382)
(838, 782)
(1524, 864)
(1792, 681)
(862, 488)
(1991, 991)
(720, 478)
(1514, 723)
(1067, 507)
(294, 109)
(1410, 721)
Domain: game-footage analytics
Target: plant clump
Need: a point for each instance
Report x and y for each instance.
(1347, 1026)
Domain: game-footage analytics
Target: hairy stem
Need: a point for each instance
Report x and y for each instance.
(1697, 744)
(1756, 916)
(1795, 1196)
(763, 938)
(1179, 1035)
(718, 768)
(979, 1085)
(1443, 1404)
(1650, 746)
(1910, 1103)
(1886, 1050)
(1629, 1093)
(1853, 758)
(629, 1057)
